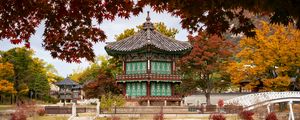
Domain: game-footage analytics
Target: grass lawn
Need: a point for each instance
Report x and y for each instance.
(48, 117)
(228, 117)
(6, 107)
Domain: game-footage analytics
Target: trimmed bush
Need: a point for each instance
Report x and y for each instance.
(217, 116)
(271, 116)
(221, 103)
(246, 115)
(19, 114)
(41, 112)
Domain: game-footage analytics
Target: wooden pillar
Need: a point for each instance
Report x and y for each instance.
(124, 67)
(173, 67)
(148, 89)
(172, 88)
(124, 89)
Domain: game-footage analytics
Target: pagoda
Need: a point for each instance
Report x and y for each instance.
(149, 69)
(69, 90)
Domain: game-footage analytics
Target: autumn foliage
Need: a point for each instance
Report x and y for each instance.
(6, 72)
(246, 115)
(70, 33)
(217, 116)
(271, 116)
(201, 66)
(269, 60)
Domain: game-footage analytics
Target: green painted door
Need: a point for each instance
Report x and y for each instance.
(136, 89)
(136, 67)
(153, 89)
(161, 67)
(168, 89)
(160, 89)
(128, 89)
(144, 89)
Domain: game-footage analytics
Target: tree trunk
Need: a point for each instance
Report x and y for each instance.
(11, 99)
(207, 95)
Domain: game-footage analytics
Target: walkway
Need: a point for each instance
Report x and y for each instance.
(82, 118)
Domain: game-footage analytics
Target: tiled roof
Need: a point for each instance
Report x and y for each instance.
(147, 37)
(66, 81)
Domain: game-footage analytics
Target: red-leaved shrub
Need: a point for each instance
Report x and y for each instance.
(271, 116)
(19, 114)
(41, 112)
(246, 115)
(115, 118)
(159, 116)
(221, 103)
(217, 117)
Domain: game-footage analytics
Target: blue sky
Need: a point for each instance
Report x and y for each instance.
(111, 29)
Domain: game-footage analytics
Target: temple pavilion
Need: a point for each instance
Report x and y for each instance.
(149, 69)
(69, 90)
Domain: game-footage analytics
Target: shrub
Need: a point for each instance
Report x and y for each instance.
(217, 117)
(19, 114)
(41, 112)
(221, 103)
(108, 101)
(51, 99)
(114, 118)
(271, 116)
(160, 115)
(246, 115)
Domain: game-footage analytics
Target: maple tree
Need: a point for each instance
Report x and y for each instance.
(269, 60)
(69, 32)
(6, 87)
(6, 71)
(201, 67)
(104, 83)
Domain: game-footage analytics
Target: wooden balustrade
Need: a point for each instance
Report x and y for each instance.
(175, 98)
(148, 77)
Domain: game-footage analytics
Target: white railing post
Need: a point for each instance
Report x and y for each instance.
(291, 114)
(268, 107)
(74, 110)
(98, 108)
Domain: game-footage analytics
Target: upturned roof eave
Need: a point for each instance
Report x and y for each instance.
(117, 52)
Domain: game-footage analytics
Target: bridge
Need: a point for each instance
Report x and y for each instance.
(255, 100)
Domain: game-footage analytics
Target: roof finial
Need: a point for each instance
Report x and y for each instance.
(148, 17)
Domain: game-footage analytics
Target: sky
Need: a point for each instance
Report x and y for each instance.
(111, 28)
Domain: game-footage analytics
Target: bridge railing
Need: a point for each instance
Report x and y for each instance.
(253, 99)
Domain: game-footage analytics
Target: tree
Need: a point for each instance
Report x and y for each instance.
(269, 60)
(38, 85)
(69, 32)
(160, 27)
(6, 87)
(52, 74)
(29, 74)
(201, 67)
(6, 71)
(21, 58)
(104, 83)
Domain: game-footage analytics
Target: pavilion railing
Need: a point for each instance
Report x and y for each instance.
(148, 76)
